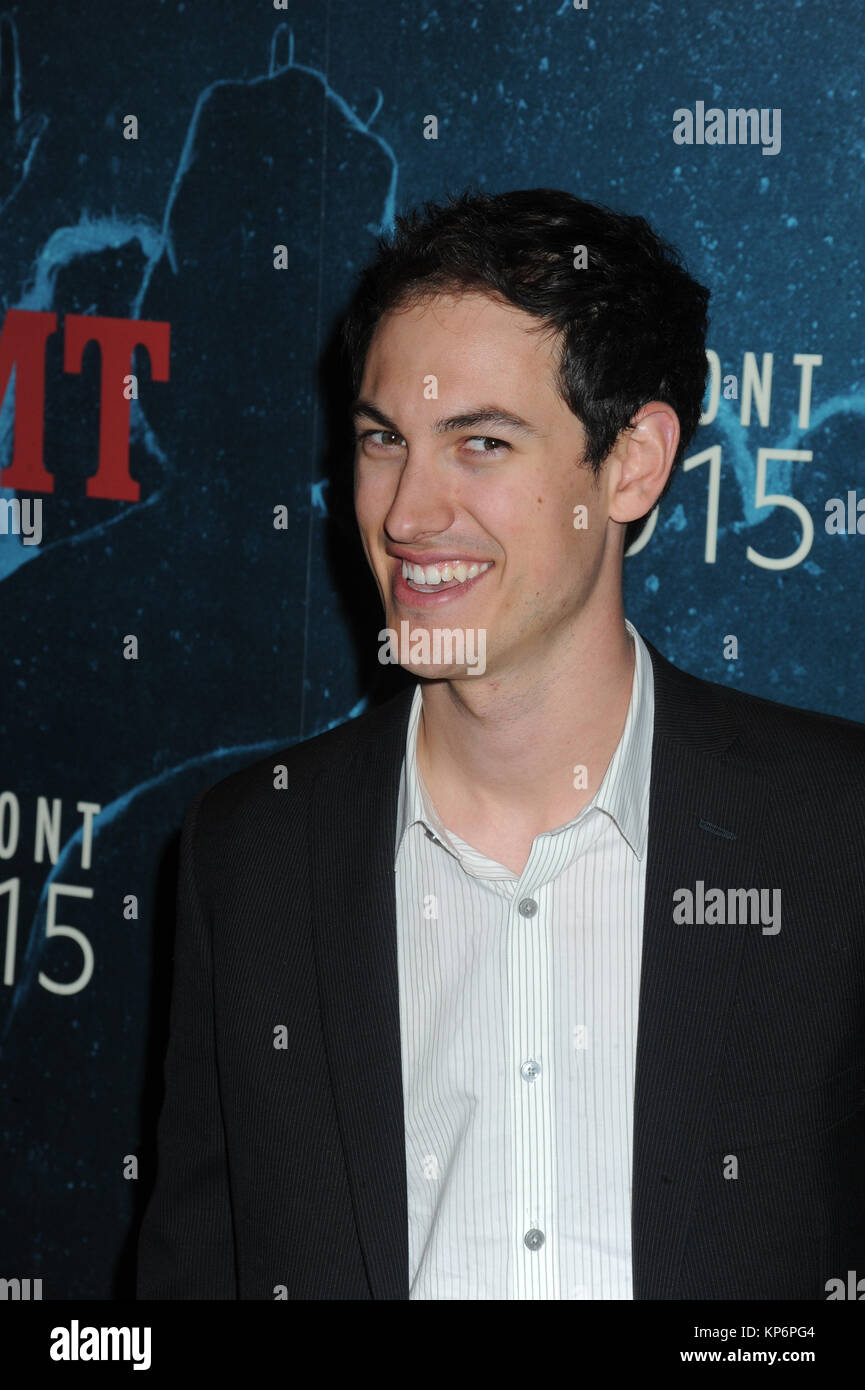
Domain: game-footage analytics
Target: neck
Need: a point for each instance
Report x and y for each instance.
(505, 745)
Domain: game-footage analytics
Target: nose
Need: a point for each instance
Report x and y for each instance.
(420, 506)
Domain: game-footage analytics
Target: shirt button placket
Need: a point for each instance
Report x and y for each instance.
(528, 968)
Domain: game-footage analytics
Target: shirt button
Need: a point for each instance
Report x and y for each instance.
(528, 907)
(529, 1070)
(534, 1239)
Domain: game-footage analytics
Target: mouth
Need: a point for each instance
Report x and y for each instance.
(453, 580)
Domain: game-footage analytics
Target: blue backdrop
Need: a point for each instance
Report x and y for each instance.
(198, 594)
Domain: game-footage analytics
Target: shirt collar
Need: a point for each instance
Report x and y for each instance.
(623, 793)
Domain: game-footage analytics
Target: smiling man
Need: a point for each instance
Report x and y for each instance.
(497, 756)
(444, 1024)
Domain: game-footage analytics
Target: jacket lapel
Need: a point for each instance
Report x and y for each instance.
(353, 827)
(705, 812)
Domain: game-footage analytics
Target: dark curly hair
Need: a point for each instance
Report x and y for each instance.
(631, 324)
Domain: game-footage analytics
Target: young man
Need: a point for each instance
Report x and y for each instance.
(545, 979)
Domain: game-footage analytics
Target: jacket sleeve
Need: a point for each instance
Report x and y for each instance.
(186, 1241)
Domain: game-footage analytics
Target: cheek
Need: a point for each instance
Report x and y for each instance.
(373, 495)
(541, 547)
(553, 572)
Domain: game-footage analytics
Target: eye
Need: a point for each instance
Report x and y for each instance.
(487, 439)
(391, 439)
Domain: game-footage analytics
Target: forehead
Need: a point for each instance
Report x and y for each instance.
(470, 341)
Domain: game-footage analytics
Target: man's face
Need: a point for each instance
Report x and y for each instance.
(430, 486)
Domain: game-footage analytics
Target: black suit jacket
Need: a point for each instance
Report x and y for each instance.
(281, 1170)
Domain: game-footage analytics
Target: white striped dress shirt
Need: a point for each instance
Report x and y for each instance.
(518, 1021)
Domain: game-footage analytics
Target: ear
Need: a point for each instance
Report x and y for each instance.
(641, 460)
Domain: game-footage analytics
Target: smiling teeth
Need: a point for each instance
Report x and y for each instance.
(435, 574)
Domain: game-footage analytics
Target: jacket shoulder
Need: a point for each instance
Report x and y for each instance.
(776, 740)
(290, 771)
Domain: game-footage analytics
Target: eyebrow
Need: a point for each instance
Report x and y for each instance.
(470, 419)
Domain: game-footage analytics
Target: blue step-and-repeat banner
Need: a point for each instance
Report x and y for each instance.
(187, 192)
